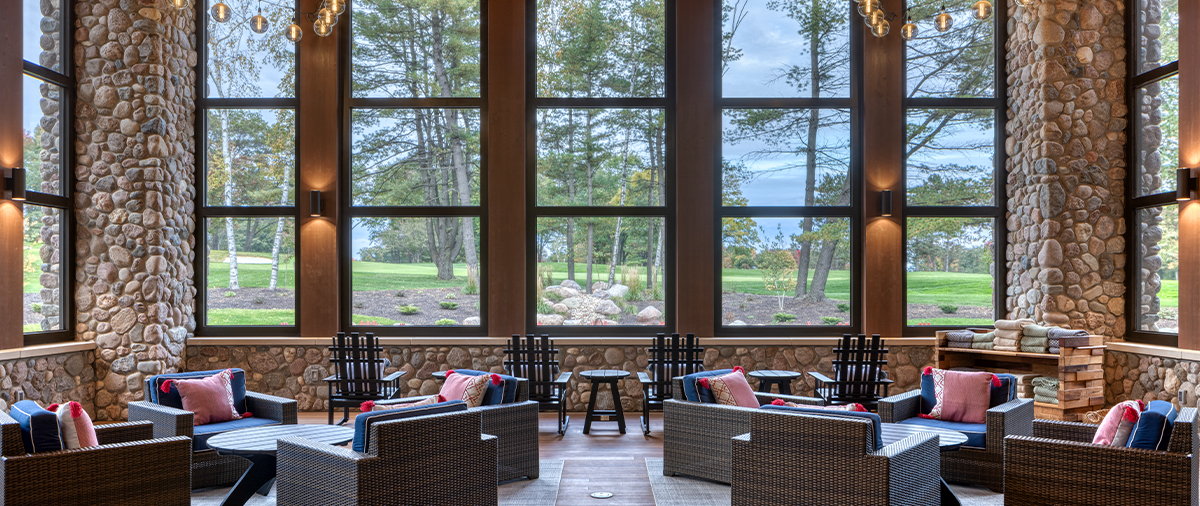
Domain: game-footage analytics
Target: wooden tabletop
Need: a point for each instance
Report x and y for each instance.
(603, 374)
(948, 440)
(264, 439)
(772, 373)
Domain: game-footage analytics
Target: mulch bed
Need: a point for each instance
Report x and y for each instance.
(756, 309)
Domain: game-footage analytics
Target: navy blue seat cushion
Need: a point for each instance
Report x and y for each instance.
(976, 432)
(504, 393)
(696, 393)
(362, 423)
(174, 400)
(201, 433)
(39, 427)
(1007, 391)
(1153, 430)
(874, 418)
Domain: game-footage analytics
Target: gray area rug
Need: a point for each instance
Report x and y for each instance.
(540, 492)
(684, 491)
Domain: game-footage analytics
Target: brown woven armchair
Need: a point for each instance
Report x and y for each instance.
(697, 437)
(1060, 465)
(791, 458)
(129, 468)
(434, 460)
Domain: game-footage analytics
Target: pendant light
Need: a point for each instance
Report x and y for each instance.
(943, 22)
(338, 7)
(258, 23)
(220, 12)
(875, 17)
(327, 16)
(321, 28)
(982, 10)
(866, 7)
(909, 30)
(181, 4)
(293, 32)
(881, 28)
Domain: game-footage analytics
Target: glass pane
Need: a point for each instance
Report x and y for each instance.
(957, 63)
(43, 140)
(785, 49)
(416, 271)
(1158, 258)
(1159, 44)
(785, 271)
(601, 157)
(251, 157)
(1158, 141)
(950, 264)
(610, 48)
(43, 269)
(244, 64)
(415, 157)
(41, 26)
(785, 157)
(251, 271)
(950, 157)
(600, 271)
(415, 49)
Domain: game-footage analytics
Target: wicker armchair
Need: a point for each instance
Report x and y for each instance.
(516, 427)
(435, 459)
(1060, 465)
(971, 466)
(208, 468)
(697, 436)
(792, 458)
(129, 468)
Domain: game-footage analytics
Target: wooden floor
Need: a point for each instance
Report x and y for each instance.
(603, 461)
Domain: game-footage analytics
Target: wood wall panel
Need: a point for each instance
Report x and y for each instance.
(1189, 156)
(11, 229)
(319, 152)
(506, 232)
(695, 187)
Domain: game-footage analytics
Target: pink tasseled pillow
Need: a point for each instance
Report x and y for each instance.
(1118, 424)
(731, 389)
(74, 425)
(209, 399)
(961, 396)
(840, 407)
(369, 406)
(470, 389)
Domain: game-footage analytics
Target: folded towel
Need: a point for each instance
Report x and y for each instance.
(1033, 349)
(958, 344)
(1034, 341)
(1035, 330)
(1052, 349)
(1008, 334)
(985, 338)
(1045, 382)
(983, 345)
(1057, 332)
(960, 335)
(1013, 324)
(1045, 399)
(1005, 348)
(1000, 341)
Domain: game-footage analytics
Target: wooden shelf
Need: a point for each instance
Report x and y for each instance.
(1042, 356)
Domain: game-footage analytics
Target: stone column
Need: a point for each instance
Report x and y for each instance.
(1066, 166)
(135, 61)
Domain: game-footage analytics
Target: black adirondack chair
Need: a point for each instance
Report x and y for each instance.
(358, 375)
(536, 359)
(669, 358)
(858, 371)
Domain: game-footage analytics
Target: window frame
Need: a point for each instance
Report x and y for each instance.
(533, 211)
(204, 104)
(65, 203)
(998, 211)
(1133, 271)
(348, 211)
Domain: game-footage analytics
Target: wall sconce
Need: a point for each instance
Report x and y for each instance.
(885, 203)
(314, 204)
(16, 184)
(1185, 185)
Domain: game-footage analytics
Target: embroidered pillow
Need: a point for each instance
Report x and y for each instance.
(370, 406)
(74, 425)
(731, 389)
(210, 399)
(1118, 424)
(470, 389)
(854, 406)
(961, 396)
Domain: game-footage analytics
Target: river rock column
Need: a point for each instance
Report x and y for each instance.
(135, 61)
(1066, 168)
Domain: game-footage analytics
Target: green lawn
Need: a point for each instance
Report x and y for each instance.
(751, 281)
(252, 275)
(949, 288)
(952, 322)
(374, 276)
(270, 317)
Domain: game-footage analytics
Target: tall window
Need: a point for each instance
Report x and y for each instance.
(47, 95)
(602, 165)
(1153, 213)
(246, 199)
(416, 170)
(954, 200)
(788, 170)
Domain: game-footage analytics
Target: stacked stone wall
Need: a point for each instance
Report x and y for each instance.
(135, 166)
(297, 372)
(48, 136)
(1066, 130)
(1132, 376)
(50, 379)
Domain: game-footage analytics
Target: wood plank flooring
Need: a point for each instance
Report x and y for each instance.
(603, 461)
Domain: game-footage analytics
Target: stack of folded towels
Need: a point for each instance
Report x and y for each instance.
(1045, 389)
(1057, 333)
(1025, 385)
(1008, 334)
(960, 338)
(985, 341)
(1033, 338)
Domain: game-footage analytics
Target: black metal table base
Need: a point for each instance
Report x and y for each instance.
(257, 479)
(785, 385)
(594, 414)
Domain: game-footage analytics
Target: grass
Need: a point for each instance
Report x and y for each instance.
(952, 322)
(270, 317)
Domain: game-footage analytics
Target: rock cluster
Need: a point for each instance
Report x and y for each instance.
(135, 166)
(50, 379)
(575, 307)
(1066, 168)
(1131, 376)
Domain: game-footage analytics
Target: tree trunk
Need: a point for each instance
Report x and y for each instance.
(228, 200)
(816, 292)
(283, 186)
(612, 265)
(591, 239)
(462, 176)
(810, 177)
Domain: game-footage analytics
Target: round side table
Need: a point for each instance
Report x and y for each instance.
(609, 377)
(769, 377)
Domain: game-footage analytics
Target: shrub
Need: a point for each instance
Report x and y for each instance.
(553, 296)
(449, 305)
(845, 308)
(546, 274)
(37, 307)
(631, 309)
(358, 305)
(408, 309)
(783, 317)
(631, 276)
(445, 322)
(230, 293)
(831, 320)
(400, 293)
(259, 300)
(948, 309)
(450, 296)
(543, 307)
